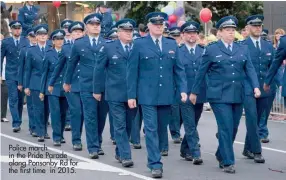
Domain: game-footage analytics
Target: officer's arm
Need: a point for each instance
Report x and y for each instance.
(278, 78)
(203, 68)
(21, 17)
(23, 54)
(28, 69)
(250, 71)
(99, 70)
(59, 66)
(180, 75)
(132, 71)
(44, 75)
(280, 55)
(71, 65)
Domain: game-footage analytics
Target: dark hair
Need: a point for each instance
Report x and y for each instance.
(213, 31)
(141, 27)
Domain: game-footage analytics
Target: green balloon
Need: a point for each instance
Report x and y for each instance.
(113, 17)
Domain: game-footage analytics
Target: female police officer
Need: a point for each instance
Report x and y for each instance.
(226, 63)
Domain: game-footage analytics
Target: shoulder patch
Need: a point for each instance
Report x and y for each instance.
(101, 49)
(181, 45)
(109, 41)
(212, 43)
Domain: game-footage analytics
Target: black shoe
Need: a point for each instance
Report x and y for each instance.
(113, 142)
(229, 169)
(118, 158)
(177, 140)
(100, 152)
(248, 154)
(164, 153)
(157, 173)
(63, 141)
(137, 146)
(67, 127)
(47, 136)
(197, 161)
(57, 143)
(93, 155)
(264, 140)
(34, 134)
(187, 157)
(77, 147)
(127, 163)
(258, 158)
(16, 129)
(41, 139)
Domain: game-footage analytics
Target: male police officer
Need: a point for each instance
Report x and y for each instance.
(153, 71)
(175, 33)
(28, 14)
(106, 19)
(84, 51)
(65, 26)
(10, 49)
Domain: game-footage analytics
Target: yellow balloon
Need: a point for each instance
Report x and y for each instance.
(163, 9)
(173, 4)
(238, 36)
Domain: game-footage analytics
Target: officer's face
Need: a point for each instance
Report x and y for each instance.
(30, 3)
(42, 37)
(66, 31)
(125, 35)
(16, 31)
(93, 28)
(255, 31)
(77, 34)
(102, 9)
(156, 29)
(58, 43)
(190, 37)
(33, 40)
(227, 34)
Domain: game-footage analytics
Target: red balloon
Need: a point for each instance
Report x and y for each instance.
(205, 15)
(57, 4)
(172, 18)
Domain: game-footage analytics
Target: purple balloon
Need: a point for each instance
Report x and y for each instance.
(109, 10)
(173, 25)
(179, 11)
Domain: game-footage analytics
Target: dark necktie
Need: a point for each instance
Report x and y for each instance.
(229, 48)
(68, 41)
(127, 50)
(157, 44)
(93, 42)
(17, 44)
(43, 50)
(257, 46)
(192, 51)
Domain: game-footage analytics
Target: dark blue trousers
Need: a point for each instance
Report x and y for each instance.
(136, 127)
(30, 110)
(191, 115)
(16, 100)
(262, 126)
(76, 116)
(228, 118)
(176, 121)
(68, 117)
(102, 110)
(122, 121)
(111, 129)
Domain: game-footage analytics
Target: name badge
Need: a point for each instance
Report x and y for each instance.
(114, 57)
(218, 56)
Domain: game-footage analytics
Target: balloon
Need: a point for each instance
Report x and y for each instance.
(169, 10)
(172, 18)
(173, 4)
(117, 16)
(163, 9)
(205, 15)
(179, 11)
(113, 17)
(57, 4)
(173, 25)
(180, 23)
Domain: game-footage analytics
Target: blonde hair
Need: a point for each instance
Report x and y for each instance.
(277, 31)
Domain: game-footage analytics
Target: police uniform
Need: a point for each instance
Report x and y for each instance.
(10, 49)
(73, 97)
(106, 22)
(112, 35)
(57, 101)
(112, 58)
(225, 66)
(33, 73)
(65, 25)
(84, 51)
(152, 69)
(191, 58)
(264, 34)
(27, 15)
(166, 29)
(261, 54)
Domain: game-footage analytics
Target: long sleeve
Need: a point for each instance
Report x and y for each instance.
(58, 69)
(28, 69)
(250, 72)
(99, 71)
(21, 17)
(3, 54)
(44, 75)
(71, 65)
(180, 75)
(23, 54)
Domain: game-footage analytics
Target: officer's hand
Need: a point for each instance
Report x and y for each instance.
(266, 87)
(27, 92)
(257, 93)
(184, 97)
(97, 97)
(50, 89)
(67, 87)
(132, 103)
(42, 96)
(193, 98)
(20, 88)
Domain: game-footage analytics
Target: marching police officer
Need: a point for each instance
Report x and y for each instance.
(264, 34)
(261, 53)
(112, 35)
(191, 56)
(175, 33)
(112, 58)
(32, 42)
(28, 14)
(73, 97)
(65, 26)
(106, 22)
(166, 29)
(84, 51)
(32, 79)
(153, 71)
(10, 49)
(226, 63)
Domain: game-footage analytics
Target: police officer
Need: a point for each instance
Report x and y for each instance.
(175, 33)
(23, 53)
(10, 49)
(113, 58)
(106, 22)
(166, 29)
(261, 54)
(73, 97)
(153, 67)
(65, 26)
(264, 34)
(28, 14)
(112, 35)
(32, 79)
(85, 51)
(226, 63)
(191, 56)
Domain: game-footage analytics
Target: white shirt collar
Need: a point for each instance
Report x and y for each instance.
(28, 6)
(58, 50)
(90, 39)
(226, 44)
(154, 39)
(70, 39)
(15, 39)
(189, 47)
(44, 46)
(254, 41)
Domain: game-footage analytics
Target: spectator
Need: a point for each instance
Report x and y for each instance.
(244, 33)
(202, 40)
(277, 34)
(142, 29)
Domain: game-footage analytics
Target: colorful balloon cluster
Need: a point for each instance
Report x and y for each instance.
(174, 13)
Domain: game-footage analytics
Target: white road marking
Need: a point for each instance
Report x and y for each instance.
(96, 165)
(266, 148)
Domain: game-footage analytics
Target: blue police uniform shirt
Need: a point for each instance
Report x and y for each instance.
(27, 17)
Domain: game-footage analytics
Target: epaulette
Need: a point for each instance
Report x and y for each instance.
(168, 37)
(200, 45)
(142, 37)
(80, 38)
(109, 41)
(181, 45)
(240, 41)
(211, 43)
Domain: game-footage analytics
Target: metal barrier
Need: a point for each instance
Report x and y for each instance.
(278, 107)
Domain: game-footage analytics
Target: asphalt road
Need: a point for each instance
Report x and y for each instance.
(77, 165)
